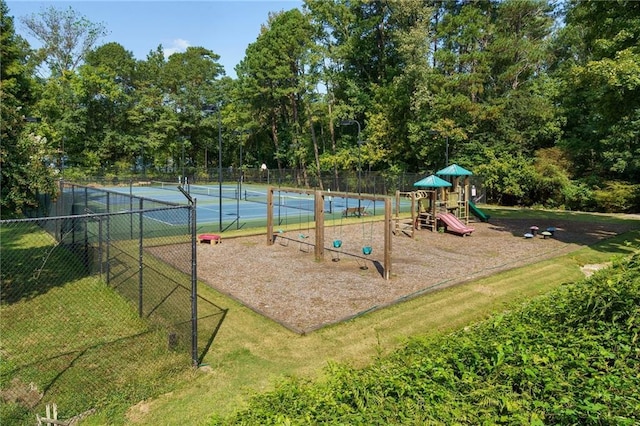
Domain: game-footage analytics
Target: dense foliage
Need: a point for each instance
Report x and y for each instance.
(23, 153)
(540, 99)
(569, 357)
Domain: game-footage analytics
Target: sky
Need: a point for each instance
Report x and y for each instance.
(226, 27)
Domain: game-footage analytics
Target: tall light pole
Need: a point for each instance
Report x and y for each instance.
(183, 180)
(210, 109)
(144, 167)
(219, 168)
(348, 123)
(241, 171)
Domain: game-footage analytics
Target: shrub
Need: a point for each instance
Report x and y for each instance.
(508, 180)
(569, 357)
(551, 178)
(579, 196)
(618, 197)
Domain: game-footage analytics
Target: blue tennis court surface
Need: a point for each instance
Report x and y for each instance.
(246, 206)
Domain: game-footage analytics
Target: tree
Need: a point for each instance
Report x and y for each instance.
(519, 86)
(105, 90)
(17, 87)
(22, 154)
(155, 122)
(331, 22)
(599, 69)
(66, 37)
(489, 86)
(190, 81)
(373, 55)
(508, 179)
(394, 123)
(272, 79)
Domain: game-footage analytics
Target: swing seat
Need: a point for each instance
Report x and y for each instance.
(284, 241)
(337, 243)
(367, 250)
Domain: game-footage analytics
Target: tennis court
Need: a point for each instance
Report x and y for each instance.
(221, 208)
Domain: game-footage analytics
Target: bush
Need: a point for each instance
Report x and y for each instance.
(579, 196)
(545, 181)
(618, 197)
(551, 178)
(509, 180)
(569, 357)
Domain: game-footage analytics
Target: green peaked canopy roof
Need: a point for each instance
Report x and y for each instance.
(454, 170)
(432, 181)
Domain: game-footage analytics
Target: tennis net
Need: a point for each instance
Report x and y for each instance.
(169, 186)
(212, 191)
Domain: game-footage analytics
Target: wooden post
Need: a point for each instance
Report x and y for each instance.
(466, 199)
(434, 210)
(387, 238)
(397, 218)
(414, 218)
(395, 215)
(319, 215)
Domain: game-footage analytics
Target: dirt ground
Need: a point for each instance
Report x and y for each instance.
(285, 283)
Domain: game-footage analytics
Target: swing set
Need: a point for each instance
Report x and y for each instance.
(302, 204)
(367, 247)
(302, 236)
(319, 216)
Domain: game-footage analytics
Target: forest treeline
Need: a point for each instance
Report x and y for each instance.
(540, 99)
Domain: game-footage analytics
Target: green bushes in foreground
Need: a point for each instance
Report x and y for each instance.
(569, 357)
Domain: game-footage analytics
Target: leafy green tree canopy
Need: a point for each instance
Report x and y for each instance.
(66, 37)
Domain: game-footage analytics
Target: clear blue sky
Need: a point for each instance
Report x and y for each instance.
(226, 27)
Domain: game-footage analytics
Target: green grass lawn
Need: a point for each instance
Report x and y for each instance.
(566, 357)
(251, 353)
(69, 337)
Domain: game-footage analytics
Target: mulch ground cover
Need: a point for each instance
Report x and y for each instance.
(285, 283)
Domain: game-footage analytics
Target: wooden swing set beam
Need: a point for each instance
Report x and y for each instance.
(319, 197)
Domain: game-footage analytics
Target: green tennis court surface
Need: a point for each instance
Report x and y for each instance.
(235, 206)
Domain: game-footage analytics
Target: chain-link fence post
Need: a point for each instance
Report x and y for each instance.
(194, 277)
(194, 285)
(140, 258)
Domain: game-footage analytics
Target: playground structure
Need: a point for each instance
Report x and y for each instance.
(477, 212)
(441, 203)
(319, 197)
(454, 224)
(457, 197)
(423, 211)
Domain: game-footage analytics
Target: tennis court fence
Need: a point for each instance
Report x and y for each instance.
(99, 269)
(371, 182)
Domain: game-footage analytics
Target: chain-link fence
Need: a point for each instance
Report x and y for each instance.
(370, 181)
(91, 304)
(367, 181)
